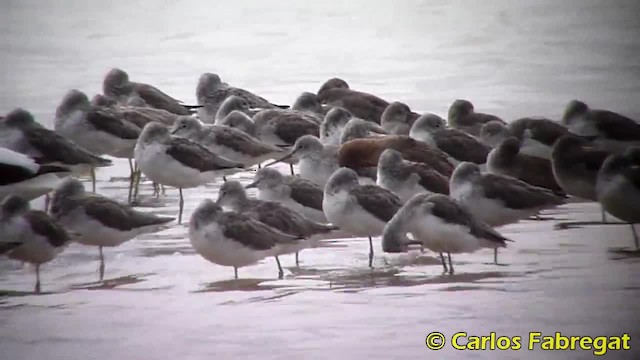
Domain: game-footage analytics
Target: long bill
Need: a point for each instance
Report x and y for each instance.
(288, 156)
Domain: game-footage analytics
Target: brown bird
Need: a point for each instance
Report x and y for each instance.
(364, 153)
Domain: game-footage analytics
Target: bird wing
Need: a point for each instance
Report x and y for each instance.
(255, 101)
(360, 106)
(108, 122)
(42, 224)
(615, 126)
(307, 193)
(159, 100)
(239, 141)
(279, 217)
(514, 193)
(452, 212)
(251, 232)
(115, 215)
(430, 179)
(295, 128)
(380, 202)
(196, 156)
(462, 146)
(56, 148)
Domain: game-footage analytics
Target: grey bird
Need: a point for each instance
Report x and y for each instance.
(98, 220)
(507, 159)
(462, 116)
(316, 162)
(236, 239)
(397, 119)
(116, 85)
(294, 192)
(612, 131)
(618, 188)
(284, 127)
(336, 92)
(332, 125)
(497, 199)
(21, 133)
(231, 103)
(362, 210)
(211, 92)
(575, 165)
(407, 178)
(360, 129)
(493, 133)
(97, 129)
(233, 196)
(29, 235)
(431, 129)
(135, 112)
(537, 135)
(440, 224)
(227, 142)
(310, 103)
(179, 162)
(239, 120)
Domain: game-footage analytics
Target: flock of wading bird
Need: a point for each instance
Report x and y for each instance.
(365, 166)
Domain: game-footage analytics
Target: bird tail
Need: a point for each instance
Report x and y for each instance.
(5, 247)
(281, 106)
(102, 162)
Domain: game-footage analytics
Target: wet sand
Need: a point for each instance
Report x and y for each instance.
(161, 300)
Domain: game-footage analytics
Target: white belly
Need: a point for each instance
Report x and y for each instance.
(161, 168)
(438, 236)
(212, 245)
(353, 219)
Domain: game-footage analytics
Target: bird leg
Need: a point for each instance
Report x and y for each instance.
(101, 268)
(37, 289)
(495, 256)
(635, 237)
(224, 178)
(93, 179)
(235, 272)
(181, 205)
(604, 215)
(444, 263)
(132, 180)
(370, 251)
(291, 168)
(47, 201)
(280, 272)
(297, 261)
(138, 176)
(450, 264)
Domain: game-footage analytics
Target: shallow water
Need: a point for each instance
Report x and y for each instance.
(160, 300)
